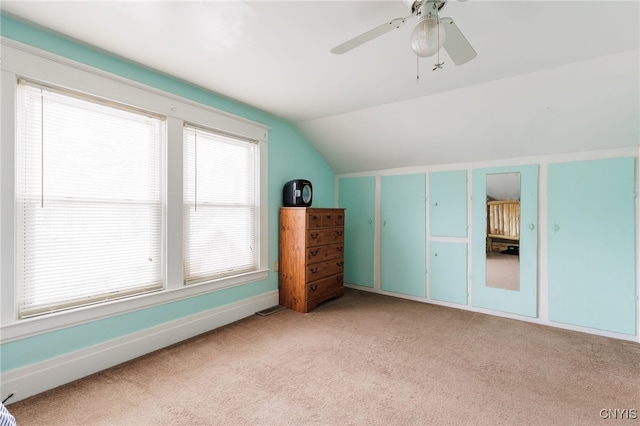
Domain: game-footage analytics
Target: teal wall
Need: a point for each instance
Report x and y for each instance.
(285, 145)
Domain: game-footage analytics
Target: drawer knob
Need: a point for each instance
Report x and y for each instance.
(314, 270)
(314, 236)
(338, 233)
(339, 263)
(314, 252)
(339, 248)
(339, 278)
(314, 287)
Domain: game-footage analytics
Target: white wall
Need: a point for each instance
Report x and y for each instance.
(583, 106)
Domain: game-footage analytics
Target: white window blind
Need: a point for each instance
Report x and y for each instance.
(220, 207)
(88, 199)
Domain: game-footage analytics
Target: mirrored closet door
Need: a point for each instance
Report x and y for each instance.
(504, 239)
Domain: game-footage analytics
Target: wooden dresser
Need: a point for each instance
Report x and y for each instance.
(311, 256)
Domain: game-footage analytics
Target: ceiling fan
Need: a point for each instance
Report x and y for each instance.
(431, 33)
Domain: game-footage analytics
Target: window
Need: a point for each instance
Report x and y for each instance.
(95, 190)
(88, 200)
(220, 208)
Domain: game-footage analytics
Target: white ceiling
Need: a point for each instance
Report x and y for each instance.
(550, 76)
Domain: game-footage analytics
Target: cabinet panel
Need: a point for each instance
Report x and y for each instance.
(403, 234)
(448, 267)
(448, 203)
(591, 216)
(357, 196)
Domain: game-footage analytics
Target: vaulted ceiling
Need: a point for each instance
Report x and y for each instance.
(550, 76)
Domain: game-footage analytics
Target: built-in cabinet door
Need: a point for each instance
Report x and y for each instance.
(447, 274)
(448, 204)
(403, 234)
(592, 252)
(357, 196)
(488, 290)
(448, 271)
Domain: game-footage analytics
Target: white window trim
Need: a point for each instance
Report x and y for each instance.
(23, 61)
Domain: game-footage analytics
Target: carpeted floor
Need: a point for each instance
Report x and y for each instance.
(363, 359)
(503, 271)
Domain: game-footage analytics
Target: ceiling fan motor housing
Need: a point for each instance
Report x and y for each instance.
(416, 5)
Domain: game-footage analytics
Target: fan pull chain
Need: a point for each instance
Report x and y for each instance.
(417, 69)
(438, 65)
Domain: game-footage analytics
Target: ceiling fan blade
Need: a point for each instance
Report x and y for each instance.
(370, 35)
(458, 48)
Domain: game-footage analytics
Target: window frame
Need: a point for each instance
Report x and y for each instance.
(36, 103)
(22, 61)
(217, 138)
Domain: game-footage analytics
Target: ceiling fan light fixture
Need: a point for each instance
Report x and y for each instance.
(428, 37)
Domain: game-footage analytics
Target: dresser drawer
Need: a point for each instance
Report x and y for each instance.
(314, 219)
(325, 218)
(332, 218)
(324, 269)
(318, 288)
(322, 253)
(316, 237)
(331, 292)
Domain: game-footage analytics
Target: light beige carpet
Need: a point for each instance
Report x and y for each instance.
(503, 271)
(365, 359)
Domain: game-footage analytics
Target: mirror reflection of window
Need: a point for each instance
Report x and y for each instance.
(503, 231)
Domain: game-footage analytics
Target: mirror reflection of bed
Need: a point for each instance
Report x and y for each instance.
(503, 231)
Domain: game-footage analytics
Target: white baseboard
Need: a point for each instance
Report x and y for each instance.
(36, 378)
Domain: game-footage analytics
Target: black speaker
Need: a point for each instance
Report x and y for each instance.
(297, 193)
